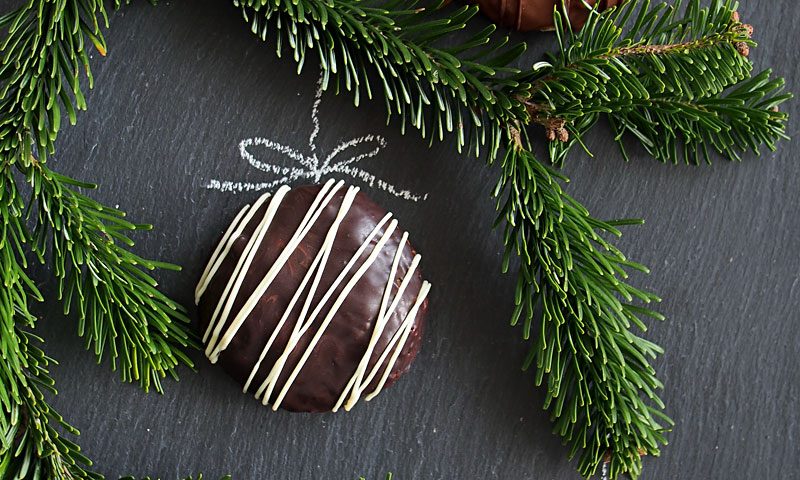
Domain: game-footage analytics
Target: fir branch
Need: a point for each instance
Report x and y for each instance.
(672, 66)
(43, 54)
(120, 311)
(469, 90)
(678, 80)
(745, 118)
(30, 445)
(572, 294)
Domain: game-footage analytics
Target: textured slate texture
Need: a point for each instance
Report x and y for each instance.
(185, 82)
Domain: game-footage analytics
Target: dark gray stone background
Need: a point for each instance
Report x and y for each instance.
(184, 82)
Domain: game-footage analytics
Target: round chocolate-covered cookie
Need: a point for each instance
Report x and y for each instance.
(526, 15)
(313, 299)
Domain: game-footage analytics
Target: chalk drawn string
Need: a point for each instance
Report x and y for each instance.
(308, 167)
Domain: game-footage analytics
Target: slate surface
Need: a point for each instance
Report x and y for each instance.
(185, 82)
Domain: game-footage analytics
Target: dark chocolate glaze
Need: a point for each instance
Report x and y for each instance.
(526, 15)
(334, 359)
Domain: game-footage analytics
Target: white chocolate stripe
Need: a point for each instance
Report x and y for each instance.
(212, 350)
(302, 327)
(402, 335)
(279, 326)
(357, 384)
(409, 322)
(390, 348)
(222, 333)
(219, 255)
(303, 324)
(237, 269)
(324, 300)
(338, 303)
(251, 302)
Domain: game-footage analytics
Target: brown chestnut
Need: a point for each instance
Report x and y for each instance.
(526, 15)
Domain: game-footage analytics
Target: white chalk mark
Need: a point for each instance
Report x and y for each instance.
(310, 168)
(315, 115)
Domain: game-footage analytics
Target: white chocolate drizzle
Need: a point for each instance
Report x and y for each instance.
(221, 330)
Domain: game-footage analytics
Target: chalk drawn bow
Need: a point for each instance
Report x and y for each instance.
(340, 161)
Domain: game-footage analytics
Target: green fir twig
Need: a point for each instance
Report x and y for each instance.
(120, 310)
(677, 80)
(31, 446)
(121, 314)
